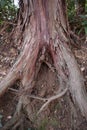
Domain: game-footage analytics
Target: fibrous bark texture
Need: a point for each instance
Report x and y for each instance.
(44, 34)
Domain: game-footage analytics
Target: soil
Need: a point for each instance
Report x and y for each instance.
(57, 116)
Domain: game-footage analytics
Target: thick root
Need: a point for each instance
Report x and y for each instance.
(8, 81)
(68, 75)
(69, 72)
(76, 81)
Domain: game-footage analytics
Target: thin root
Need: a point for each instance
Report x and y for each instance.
(60, 94)
(51, 99)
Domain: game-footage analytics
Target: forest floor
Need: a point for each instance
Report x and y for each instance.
(60, 117)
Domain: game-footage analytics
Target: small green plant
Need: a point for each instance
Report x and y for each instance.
(43, 124)
(8, 10)
(70, 9)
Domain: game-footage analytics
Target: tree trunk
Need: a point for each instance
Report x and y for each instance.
(44, 35)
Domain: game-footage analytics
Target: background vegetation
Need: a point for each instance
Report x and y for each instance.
(8, 11)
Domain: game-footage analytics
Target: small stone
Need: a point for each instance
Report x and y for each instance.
(9, 117)
(83, 68)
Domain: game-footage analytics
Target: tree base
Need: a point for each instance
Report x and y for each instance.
(46, 86)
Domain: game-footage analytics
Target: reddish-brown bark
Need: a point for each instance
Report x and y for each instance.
(44, 29)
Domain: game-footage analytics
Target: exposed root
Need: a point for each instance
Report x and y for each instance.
(38, 98)
(43, 31)
(51, 99)
(8, 81)
(76, 81)
(70, 74)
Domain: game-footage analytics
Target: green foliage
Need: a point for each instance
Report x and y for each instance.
(70, 9)
(84, 22)
(8, 10)
(86, 6)
(77, 22)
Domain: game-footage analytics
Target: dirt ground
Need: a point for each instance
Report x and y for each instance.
(58, 114)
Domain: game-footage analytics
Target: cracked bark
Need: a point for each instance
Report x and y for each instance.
(44, 29)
